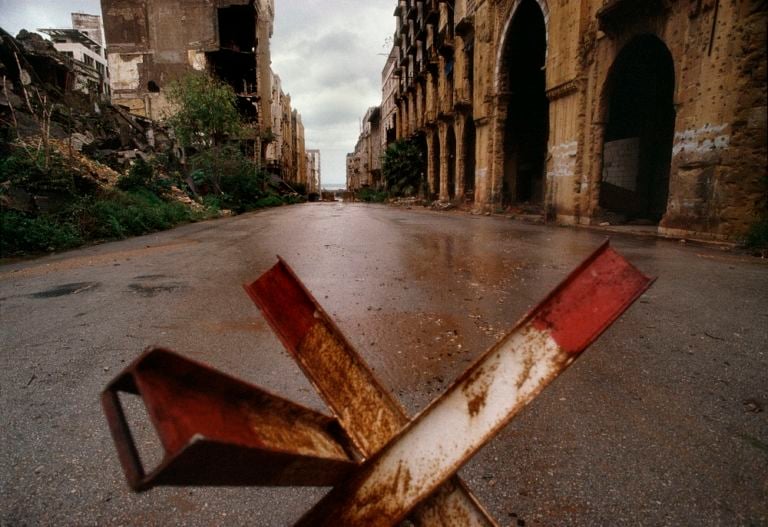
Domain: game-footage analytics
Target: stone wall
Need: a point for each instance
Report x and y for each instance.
(697, 69)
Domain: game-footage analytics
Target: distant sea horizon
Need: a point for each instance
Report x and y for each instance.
(334, 186)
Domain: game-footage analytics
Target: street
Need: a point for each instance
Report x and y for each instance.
(663, 421)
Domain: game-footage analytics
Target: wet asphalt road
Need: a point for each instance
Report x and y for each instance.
(664, 421)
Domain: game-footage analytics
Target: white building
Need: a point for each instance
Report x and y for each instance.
(84, 46)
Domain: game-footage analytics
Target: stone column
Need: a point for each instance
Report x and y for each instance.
(444, 160)
(419, 107)
(404, 129)
(431, 168)
(411, 113)
(460, 128)
(497, 167)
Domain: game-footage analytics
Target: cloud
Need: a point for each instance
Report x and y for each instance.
(329, 55)
(16, 15)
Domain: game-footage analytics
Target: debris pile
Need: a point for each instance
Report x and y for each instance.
(38, 101)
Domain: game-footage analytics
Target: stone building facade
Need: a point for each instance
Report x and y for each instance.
(299, 148)
(314, 177)
(364, 164)
(151, 43)
(627, 111)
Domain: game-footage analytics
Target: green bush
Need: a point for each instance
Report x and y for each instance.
(143, 175)
(226, 173)
(122, 214)
(403, 169)
(269, 201)
(370, 195)
(22, 233)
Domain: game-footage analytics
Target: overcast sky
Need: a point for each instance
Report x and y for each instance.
(328, 53)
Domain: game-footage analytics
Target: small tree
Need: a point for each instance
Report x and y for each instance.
(403, 168)
(206, 115)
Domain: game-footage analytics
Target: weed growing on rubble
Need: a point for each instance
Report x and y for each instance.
(21, 170)
(143, 175)
(123, 214)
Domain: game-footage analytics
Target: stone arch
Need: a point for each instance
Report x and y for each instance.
(505, 34)
(521, 131)
(450, 143)
(637, 116)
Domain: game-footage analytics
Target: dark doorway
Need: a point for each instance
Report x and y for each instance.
(469, 159)
(637, 148)
(527, 125)
(451, 146)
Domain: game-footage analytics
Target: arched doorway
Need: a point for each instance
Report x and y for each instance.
(469, 159)
(526, 129)
(639, 131)
(450, 144)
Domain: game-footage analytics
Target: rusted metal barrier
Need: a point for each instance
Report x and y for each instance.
(486, 397)
(217, 430)
(384, 468)
(364, 408)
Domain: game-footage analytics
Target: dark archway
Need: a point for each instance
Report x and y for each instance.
(450, 144)
(639, 131)
(469, 159)
(526, 129)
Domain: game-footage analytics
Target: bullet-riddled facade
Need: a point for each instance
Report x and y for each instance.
(621, 111)
(151, 43)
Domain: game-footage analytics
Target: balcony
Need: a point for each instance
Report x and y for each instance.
(412, 12)
(444, 43)
(465, 16)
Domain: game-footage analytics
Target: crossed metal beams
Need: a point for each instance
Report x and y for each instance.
(383, 466)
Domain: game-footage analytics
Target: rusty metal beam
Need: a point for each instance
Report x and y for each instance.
(485, 398)
(217, 430)
(364, 408)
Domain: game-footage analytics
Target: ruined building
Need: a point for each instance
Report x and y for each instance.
(151, 43)
(83, 45)
(626, 111)
(365, 161)
(314, 180)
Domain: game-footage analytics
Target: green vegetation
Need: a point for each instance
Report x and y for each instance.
(205, 118)
(403, 169)
(370, 195)
(206, 111)
(50, 202)
(22, 233)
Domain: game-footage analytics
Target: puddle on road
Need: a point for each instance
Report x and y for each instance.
(149, 291)
(67, 289)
